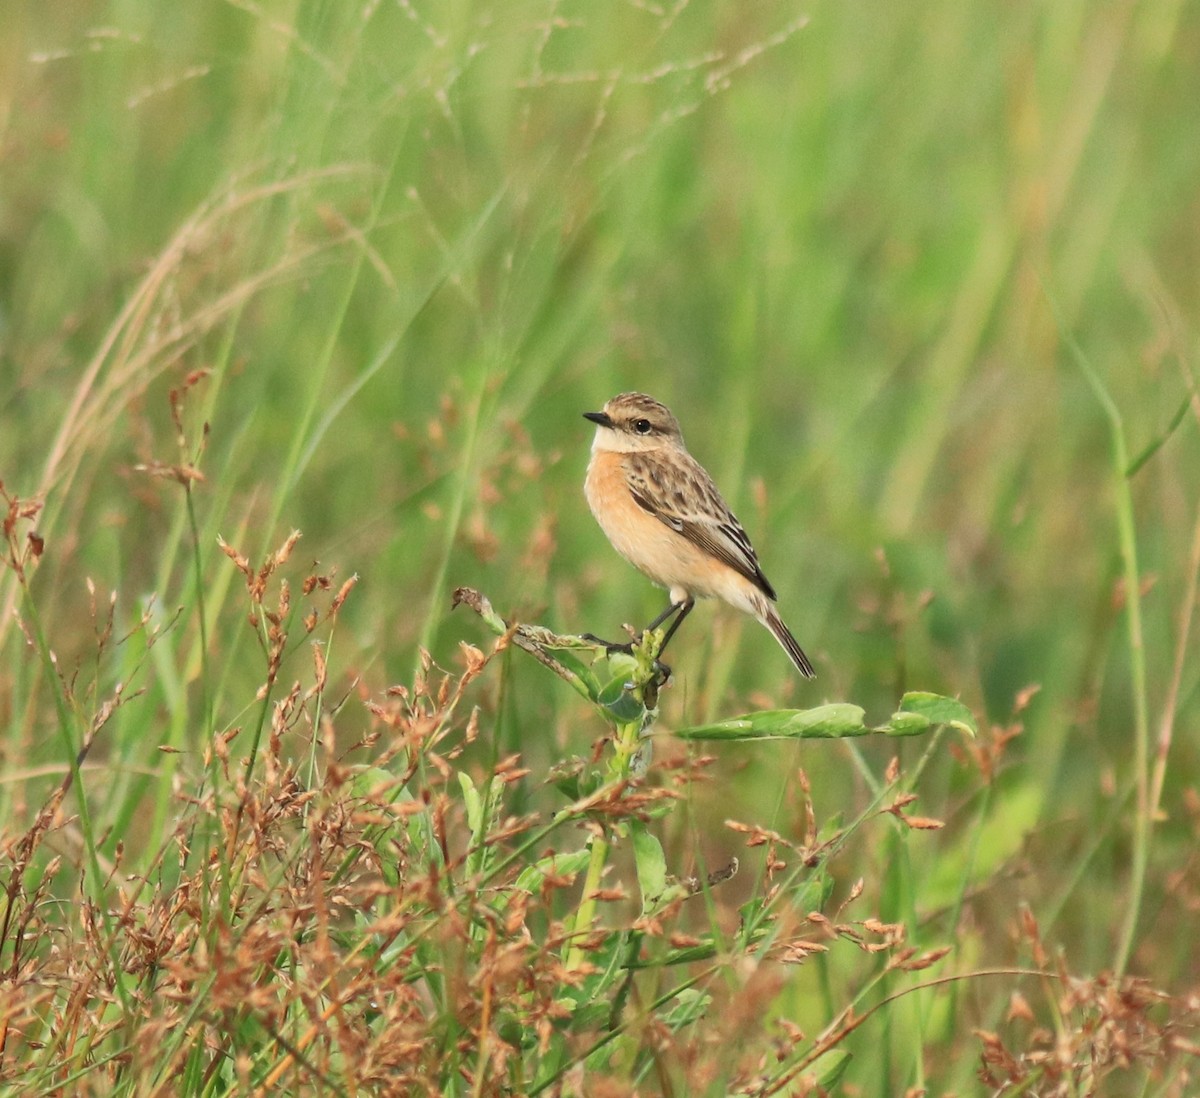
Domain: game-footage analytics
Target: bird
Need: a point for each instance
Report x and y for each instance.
(664, 515)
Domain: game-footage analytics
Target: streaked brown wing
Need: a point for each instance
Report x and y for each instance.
(683, 496)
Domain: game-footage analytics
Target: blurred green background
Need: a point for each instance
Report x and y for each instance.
(846, 243)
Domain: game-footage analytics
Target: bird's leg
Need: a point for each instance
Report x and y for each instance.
(671, 608)
(608, 646)
(684, 609)
(681, 609)
(627, 646)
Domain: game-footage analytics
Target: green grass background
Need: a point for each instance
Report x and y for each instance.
(847, 243)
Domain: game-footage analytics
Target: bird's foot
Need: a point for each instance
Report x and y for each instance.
(662, 671)
(609, 646)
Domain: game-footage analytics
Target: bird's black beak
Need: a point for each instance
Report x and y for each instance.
(602, 418)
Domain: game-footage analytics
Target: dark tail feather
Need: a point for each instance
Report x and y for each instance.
(774, 622)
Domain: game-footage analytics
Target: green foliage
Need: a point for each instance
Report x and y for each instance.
(919, 712)
(918, 282)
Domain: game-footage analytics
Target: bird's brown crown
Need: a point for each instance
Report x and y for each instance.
(639, 418)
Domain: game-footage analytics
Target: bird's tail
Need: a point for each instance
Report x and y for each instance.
(769, 616)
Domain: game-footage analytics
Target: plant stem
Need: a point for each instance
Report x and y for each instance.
(1127, 533)
(643, 686)
(586, 912)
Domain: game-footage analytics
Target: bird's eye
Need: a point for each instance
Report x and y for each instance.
(642, 426)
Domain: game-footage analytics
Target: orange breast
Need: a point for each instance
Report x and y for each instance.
(666, 557)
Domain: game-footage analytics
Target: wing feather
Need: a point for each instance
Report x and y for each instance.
(683, 496)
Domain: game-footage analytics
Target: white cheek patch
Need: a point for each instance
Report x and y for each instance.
(608, 440)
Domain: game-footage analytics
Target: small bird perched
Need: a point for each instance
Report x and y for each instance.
(663, 513)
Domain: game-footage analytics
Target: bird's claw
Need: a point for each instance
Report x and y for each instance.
(662, 671)
(609, 646)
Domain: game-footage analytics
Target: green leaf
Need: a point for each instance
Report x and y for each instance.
(829, 1067)
(624, 708)
(1154, 446)
(622, 704)
(481, 812)
(825, 721)
(919, 712)
(587, 1016)
(532, 877)
(566, 777)
(685, 955)
(576, 778)
(374, 782)
(906, 724)
(472, 801)
(651, 865)
(581, 669)
(511, 1030)
(939, 710)
(620, 665)
(690, 1005)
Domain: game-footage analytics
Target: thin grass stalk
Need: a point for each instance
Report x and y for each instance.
(74, 757)
(206, 698)
(1127, 533)
(133, 352)
(622, 1028)
(1166, 724)
(453, 520)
